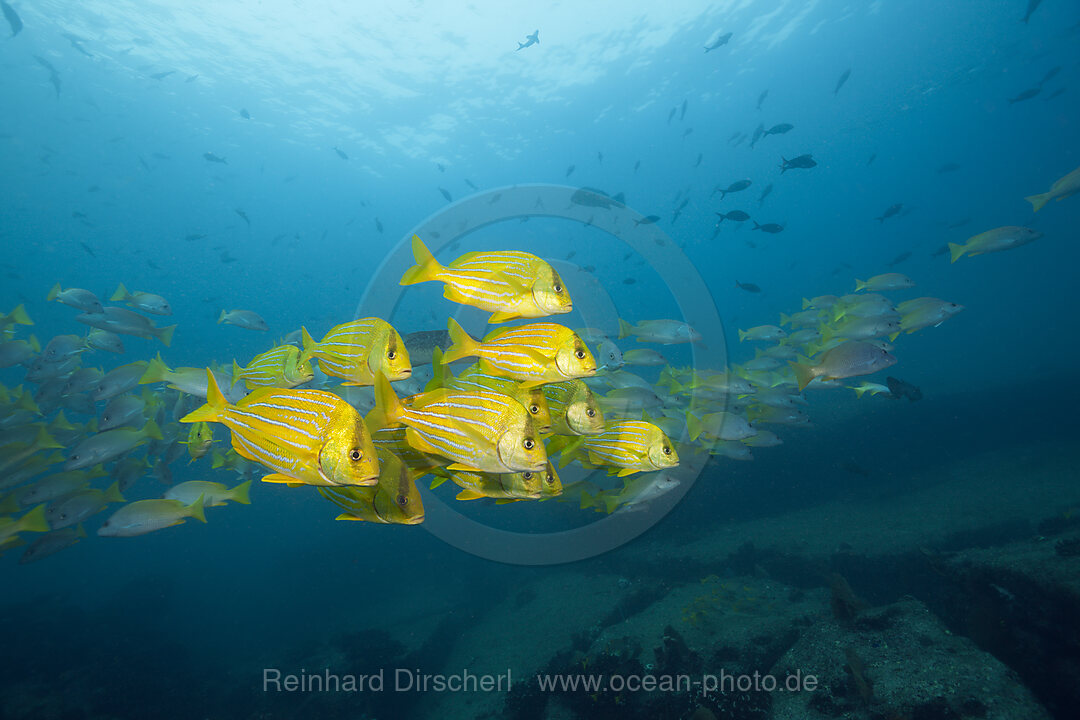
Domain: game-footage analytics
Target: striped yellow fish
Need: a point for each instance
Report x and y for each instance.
(507, 284)
(279, 367)
(394, 440)
(526, 485)
(629, 446)
(394, 500)
(482, 431)
(533, 354)
(473, 378)
(355, 351)
(574, 409)
(305, 436)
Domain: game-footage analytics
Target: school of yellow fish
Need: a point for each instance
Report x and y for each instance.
(533, 391)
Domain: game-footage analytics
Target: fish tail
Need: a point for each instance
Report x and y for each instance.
(45, 440)
(859, 285)
(34, 521)
(195, 509)
(121, 294)
(241, 493)
(610, 500)
(461, 344)
(1038, 201)
(236, 371)
(625, 329)
(215, 403)
(53, 293)
(804, 373)
(956, 250)
(756, 226)
(859, 391)
(151, 430)
(438, 371)
(112, 494)
(742, 335)
(221, 317)
(165, 335)
(388, 408)
(34, 344)
(426, 268)
(587, 500)
(156, 371)
(19, 315)
(693, 426)
(310, 346)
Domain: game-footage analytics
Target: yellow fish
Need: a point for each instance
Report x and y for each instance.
(473, 378)
(279, 367)
(394, 500)
(305, 436)
(482, 431)
(507, 284)
(355, 351)
(394, 440)
(200, 438)
(574, 409)
(629, 445)
(1063, 188)
(527, 485)
(534, 354)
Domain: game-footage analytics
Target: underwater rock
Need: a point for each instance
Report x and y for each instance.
(898, 661)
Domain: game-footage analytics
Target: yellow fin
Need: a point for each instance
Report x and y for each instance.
(502, 316)
(215, 403)
(240, 493)
(121, 294)
(279, 478)
(468, 494)
(956, 250)
(462, 345)
(426, 268)
(196, 509)
(1038, 201)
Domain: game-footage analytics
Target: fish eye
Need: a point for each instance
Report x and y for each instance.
(590, 412)
(550, 479)
(579, 354)
(391, 355)
(354, 455)
(529, 444)
(402, 500)
(557, 288)
(667, 450)
(527, 475)
(534, 408)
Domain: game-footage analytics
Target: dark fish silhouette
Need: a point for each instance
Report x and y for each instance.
(211, 157)
(421, 345)
(89, 250)
(591, 197)
(947, 168)
(765, 193)
(671, 114)
(245, 114)
(191, 78)
(719, 42)
(1050, 74)
(243, 216)
(647, 220)
(687, 131)
(778, 129)
(194, 236)
(870, 162)
(12, 17)
(446, 194)
(803, 162)
(629, 281)
(682, 111)
(899, 259)
(530, 40)
(759, 132)
(1026, 95)
(1032, 5)
(599, 157)
(442, 168)
(226, 258)
(142, 161)
(341, 154)
(470, 184)
(890, 212)
(637, 165)
(162, 75)
(1055, 94)
(699, 157)
(570, 170)
(899, 389)
(54, 77)
(378, 225)
(771, 228)
(761, 98)
(843, 79)
(748, 287)
(733, 187)
(734, 215)
(76, 42)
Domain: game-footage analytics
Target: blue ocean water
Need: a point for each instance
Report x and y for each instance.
(277, 157)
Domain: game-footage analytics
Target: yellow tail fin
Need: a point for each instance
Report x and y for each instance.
(438, 371)
(53, 292)
(34, 521)
(165, 335)
(195, 509)
(956, 250)
(859, 285)
(804, 373)
(151, 430)
(426, 268)
(215, 403)
(221, 317)
(236, 370)
(112, 494)
(121, 294)
(34, 344)
(156, 371)
(693, 426)
(241, 493)
(19, 314)
(388, 408)
(463, 345)
(625, 329)
(1037, 201)
(309, 344)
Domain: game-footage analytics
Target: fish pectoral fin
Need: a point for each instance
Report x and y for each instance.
(502, 316)
(469, 495)
(626, 471)
(462, 467)
(347, 516)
